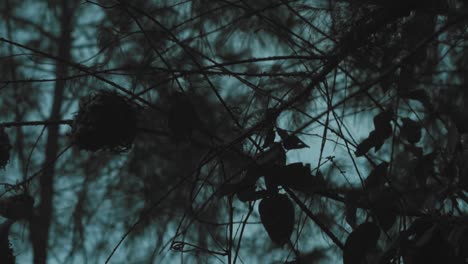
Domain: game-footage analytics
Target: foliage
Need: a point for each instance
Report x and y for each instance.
(287, 131)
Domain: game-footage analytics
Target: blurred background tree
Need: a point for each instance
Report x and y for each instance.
(151, 131)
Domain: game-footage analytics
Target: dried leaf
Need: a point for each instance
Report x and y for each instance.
(290, 141)
(411, 130)
(377, 176)
(360, 242)
(382, 120)
(351, 204)
(277, 216)
(282, 133)
(229, 189)
(275, 155)
(270, 138)
(425, 168)
(17, 207)
(429, 247)
(249, 194)
(384, 206)
(419, 95)
(296, 176)
(364, 147)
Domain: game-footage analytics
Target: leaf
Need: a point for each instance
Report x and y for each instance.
(411, 130)
(419, 95)
(252, 174)
(379, 136)
(317, 255)
(351, 204)
(245, 192)
(249, 194)
(364, 147)
(270, 138)
(384, 206)
(377, 176)
(375, 140)
(229, 189)
(277, 216)
(382, 120)
(290, 141)
(430, 247)
(271, 116)
(293, 142)
(17, 207)
(425, 168)
(273, 176)
(421, 225)
(282, 133)
(275, 155)
(360, 242)
(296, 176)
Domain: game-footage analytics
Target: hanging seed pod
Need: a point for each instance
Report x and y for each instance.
(277, 216)
(5, 148)
(6, 252)
(106, 121)
(17, 206)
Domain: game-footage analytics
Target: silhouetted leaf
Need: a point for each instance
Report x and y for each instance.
(290, 141)
(418, 94)
(273, 177)
(250, 194)
(364, 147)
(379, 135)
(360, 242)
(293, 142)
(429, 247)
(425, 168)
(271, 116)
(17, 206)
(275, 155)
(382, 120)
(270, 137)
(296, 176)
(376, 137)
(312, 257)
(282, 133)
(252, 174)
(421, 225)
(384, 205)
(351, 203)
(377, 176)
(229, 189)
(277, 216)
(411, 130)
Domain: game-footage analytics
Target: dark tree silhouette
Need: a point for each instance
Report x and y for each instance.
(233, 131)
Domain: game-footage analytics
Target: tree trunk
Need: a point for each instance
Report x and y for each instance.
(40, 225)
